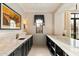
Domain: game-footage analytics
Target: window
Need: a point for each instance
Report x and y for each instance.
(39, 22)
(75, 25)
(39, 26)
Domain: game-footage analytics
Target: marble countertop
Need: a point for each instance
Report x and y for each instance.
(7, 45)
(65, 44)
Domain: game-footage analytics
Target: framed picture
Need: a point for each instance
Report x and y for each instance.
(10, 19)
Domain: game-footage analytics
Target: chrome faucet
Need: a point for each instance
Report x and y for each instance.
(17, 36)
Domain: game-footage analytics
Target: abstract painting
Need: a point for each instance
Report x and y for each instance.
(10, 19)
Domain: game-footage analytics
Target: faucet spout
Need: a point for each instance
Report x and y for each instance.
(17, 36)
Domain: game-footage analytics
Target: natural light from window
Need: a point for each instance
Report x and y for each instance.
(39, 22)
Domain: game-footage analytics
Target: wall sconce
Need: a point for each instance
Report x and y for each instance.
(24, 25)
(76, 6)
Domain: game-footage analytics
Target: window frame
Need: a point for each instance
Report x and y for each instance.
(74, 23)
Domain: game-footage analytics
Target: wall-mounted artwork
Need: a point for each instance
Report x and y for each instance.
(10, 19)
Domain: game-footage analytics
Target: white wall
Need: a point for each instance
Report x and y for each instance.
(59, 17)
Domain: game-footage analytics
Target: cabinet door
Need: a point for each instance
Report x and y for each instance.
(18, 51)
(30, 42)
(12, 54)
(22, 49)
(59, 51)
(65, 54)
(47, 41)
(51, 46)
(26, 48)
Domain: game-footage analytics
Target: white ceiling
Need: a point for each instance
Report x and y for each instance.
(39, 7)
(23, 8)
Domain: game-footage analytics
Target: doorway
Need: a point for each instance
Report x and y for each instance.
(39, 37)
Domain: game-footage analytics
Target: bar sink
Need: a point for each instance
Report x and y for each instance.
(21, 38)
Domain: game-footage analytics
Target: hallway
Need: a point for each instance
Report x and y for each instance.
(39, 47)
(39, 51)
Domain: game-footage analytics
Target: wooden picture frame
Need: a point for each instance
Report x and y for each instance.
(10, 19)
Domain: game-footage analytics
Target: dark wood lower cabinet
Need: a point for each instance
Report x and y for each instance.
(23, 49)
(59, 51)
(18, 51)
(54, 49)
(26, 48)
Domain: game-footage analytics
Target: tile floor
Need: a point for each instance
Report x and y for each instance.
(39, 51)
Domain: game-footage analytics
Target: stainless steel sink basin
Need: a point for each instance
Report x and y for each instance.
(21, 38)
